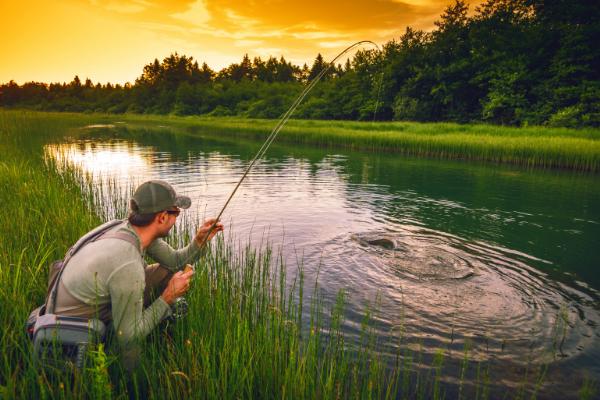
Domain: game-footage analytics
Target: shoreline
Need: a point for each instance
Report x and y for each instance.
(529, 147)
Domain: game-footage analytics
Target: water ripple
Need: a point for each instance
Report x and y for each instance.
(449, 290)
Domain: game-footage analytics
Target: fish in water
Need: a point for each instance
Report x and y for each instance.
(382, 242)
(418, 260)
(379, 241)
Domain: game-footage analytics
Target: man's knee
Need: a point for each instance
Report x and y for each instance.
(157, 275)
(157, 278)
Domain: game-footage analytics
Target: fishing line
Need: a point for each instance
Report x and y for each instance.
(283, 120)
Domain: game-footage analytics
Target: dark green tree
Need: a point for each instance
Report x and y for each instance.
(318, 65)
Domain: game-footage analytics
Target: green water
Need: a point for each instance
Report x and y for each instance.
(458, 252)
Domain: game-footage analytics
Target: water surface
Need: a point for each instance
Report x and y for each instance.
(500, 259)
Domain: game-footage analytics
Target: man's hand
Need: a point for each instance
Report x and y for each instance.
(201, 235)
(177, 286)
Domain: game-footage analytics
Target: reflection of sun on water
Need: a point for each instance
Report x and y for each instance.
(118, 161)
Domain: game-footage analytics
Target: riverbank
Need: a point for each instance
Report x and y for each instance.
(535, 146)
(530, 146)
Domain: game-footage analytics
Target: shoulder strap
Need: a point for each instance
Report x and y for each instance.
(121, 236)
(93, 235)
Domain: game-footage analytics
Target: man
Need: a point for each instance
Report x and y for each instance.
(108, 279)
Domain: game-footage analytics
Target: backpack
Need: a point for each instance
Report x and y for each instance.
(71, 336)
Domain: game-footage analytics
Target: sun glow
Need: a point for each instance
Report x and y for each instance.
(117, 161)
(112, 40)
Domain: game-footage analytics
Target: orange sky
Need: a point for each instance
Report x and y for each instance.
(111, 40)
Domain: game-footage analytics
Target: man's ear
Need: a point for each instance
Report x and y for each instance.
(160, 217)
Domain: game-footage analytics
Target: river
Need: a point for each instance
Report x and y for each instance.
(501, 259)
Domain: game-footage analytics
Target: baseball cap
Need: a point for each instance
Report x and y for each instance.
(154, 196)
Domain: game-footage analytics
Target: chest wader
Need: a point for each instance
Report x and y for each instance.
(59, 340)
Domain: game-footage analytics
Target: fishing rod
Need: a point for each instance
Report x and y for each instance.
(282, 121)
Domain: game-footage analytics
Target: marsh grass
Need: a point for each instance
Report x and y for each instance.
(535, 146)
(249, 334)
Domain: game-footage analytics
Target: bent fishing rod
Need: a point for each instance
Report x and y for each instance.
(282, 121)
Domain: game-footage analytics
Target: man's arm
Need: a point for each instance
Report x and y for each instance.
(131, 321)
(172, 259)
(175, 260)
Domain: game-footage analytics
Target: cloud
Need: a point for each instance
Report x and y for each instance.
(248, 43)
(221, 30)
(334, 44)
(310, 20)
(197, 14)
(123, 6)
(239, 34)
(267, 51)
(315, 35)
(238, 20)
(341, 15)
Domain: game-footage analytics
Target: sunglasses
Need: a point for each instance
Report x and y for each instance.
(173, 212)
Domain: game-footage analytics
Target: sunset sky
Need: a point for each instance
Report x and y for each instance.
(111, 40)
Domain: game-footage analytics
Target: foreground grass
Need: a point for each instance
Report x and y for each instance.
(246, 335)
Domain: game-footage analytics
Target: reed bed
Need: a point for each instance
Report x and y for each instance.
(540, 147)
(249, 333)
(533, 146)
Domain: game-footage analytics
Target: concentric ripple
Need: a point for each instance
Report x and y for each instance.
(429, 259)
(444, 290)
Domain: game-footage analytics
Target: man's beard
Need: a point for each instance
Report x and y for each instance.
(164, 234)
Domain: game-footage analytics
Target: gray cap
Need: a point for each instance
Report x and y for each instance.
(154, 196)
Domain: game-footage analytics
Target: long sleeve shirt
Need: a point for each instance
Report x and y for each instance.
(106, 279)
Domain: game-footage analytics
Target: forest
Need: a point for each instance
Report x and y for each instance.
(509, 62)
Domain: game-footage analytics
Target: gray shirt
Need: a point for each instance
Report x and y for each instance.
(106, 278)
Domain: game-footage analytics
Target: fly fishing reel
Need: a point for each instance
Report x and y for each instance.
(179, 309)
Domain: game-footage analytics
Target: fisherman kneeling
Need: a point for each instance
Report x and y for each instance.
(108, 279)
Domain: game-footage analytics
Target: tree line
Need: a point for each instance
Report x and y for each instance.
(512, 62)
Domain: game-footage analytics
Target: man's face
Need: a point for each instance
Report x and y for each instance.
(166, 220)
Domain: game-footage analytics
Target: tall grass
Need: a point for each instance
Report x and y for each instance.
(249, 334)
(534, 146)
(528, 146)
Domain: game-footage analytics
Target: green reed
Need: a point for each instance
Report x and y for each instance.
(249, 333)
(533, 146)
(528, 146)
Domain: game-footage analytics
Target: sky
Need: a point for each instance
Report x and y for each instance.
(112, 40)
